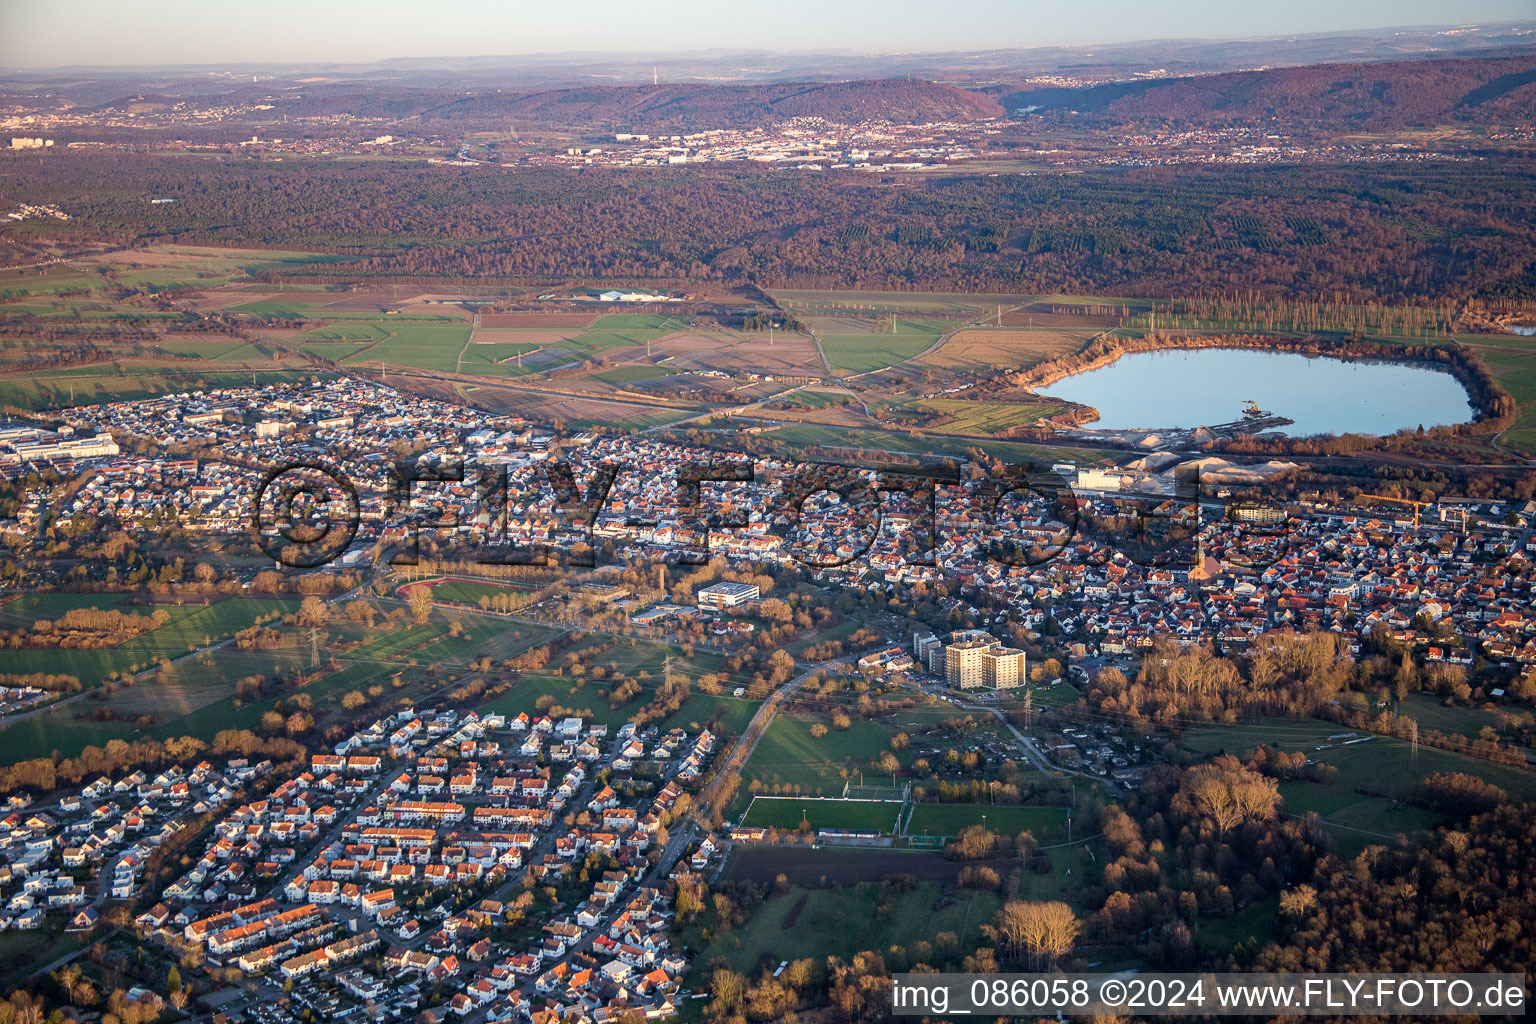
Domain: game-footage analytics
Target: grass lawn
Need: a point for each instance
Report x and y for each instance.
(1381, 764)
(21, 953)
(1073, 868)
(841, 921)
(789, 755)
(1256, 921)
(1047, 824)
(787, 813)
(465, 592)
(584, 694)
(724, 714)
(1353, 819)
(189, 626)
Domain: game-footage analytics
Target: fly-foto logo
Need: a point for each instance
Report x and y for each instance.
(306, 512)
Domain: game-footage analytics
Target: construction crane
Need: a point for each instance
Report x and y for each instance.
(1459, 513)
(1417, 505)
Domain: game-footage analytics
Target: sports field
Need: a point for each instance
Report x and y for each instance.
(787, 813)
(1047, 824)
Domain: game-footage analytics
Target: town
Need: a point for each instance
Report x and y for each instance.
(780, 516)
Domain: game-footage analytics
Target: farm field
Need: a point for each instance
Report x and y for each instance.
(800, 435)
(981, 348)
(269, 307)
(91, 385)
(811, 398)
(811, 302)
(862, 353)
(787, 813)
(784, 353)
(1512, 361)
(426, 346)
(495, 359)
(622, 330)
(631, 373)
(153, 268)
(988, 417)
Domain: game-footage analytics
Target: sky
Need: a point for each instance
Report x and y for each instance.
(52, 33)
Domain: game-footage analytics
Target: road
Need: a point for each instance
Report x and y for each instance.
(732, 761)
(474, 328)
(1032, 752)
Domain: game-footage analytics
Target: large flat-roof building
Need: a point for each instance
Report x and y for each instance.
(973, 660)
(727, 595)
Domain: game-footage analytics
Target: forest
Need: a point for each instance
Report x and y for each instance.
(1337, 95)
(1404, 233)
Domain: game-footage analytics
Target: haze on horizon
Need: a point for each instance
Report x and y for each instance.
(107, 32)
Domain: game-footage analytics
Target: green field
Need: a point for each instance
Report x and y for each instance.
(841, 921)
(155, 268)
(1354, 820)
(988, 417)
(799, 435)
(789, 755)
(426, 345)
(809, 398)
(92, 385)
(199, 692)
(632, 372)
(218, 351)
(623, 330)
(269, 307)
(724, 713)
(189, 626)
(1512, 361)
(799, 300)
(861, 353)
(465, 592)
(1047, 824)
(490, 359)
(586, 694)
(1380, 764)
(787, 813)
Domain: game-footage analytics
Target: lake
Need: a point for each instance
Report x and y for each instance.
(1202, 387)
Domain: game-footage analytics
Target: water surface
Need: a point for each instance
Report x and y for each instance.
(1202, 387)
